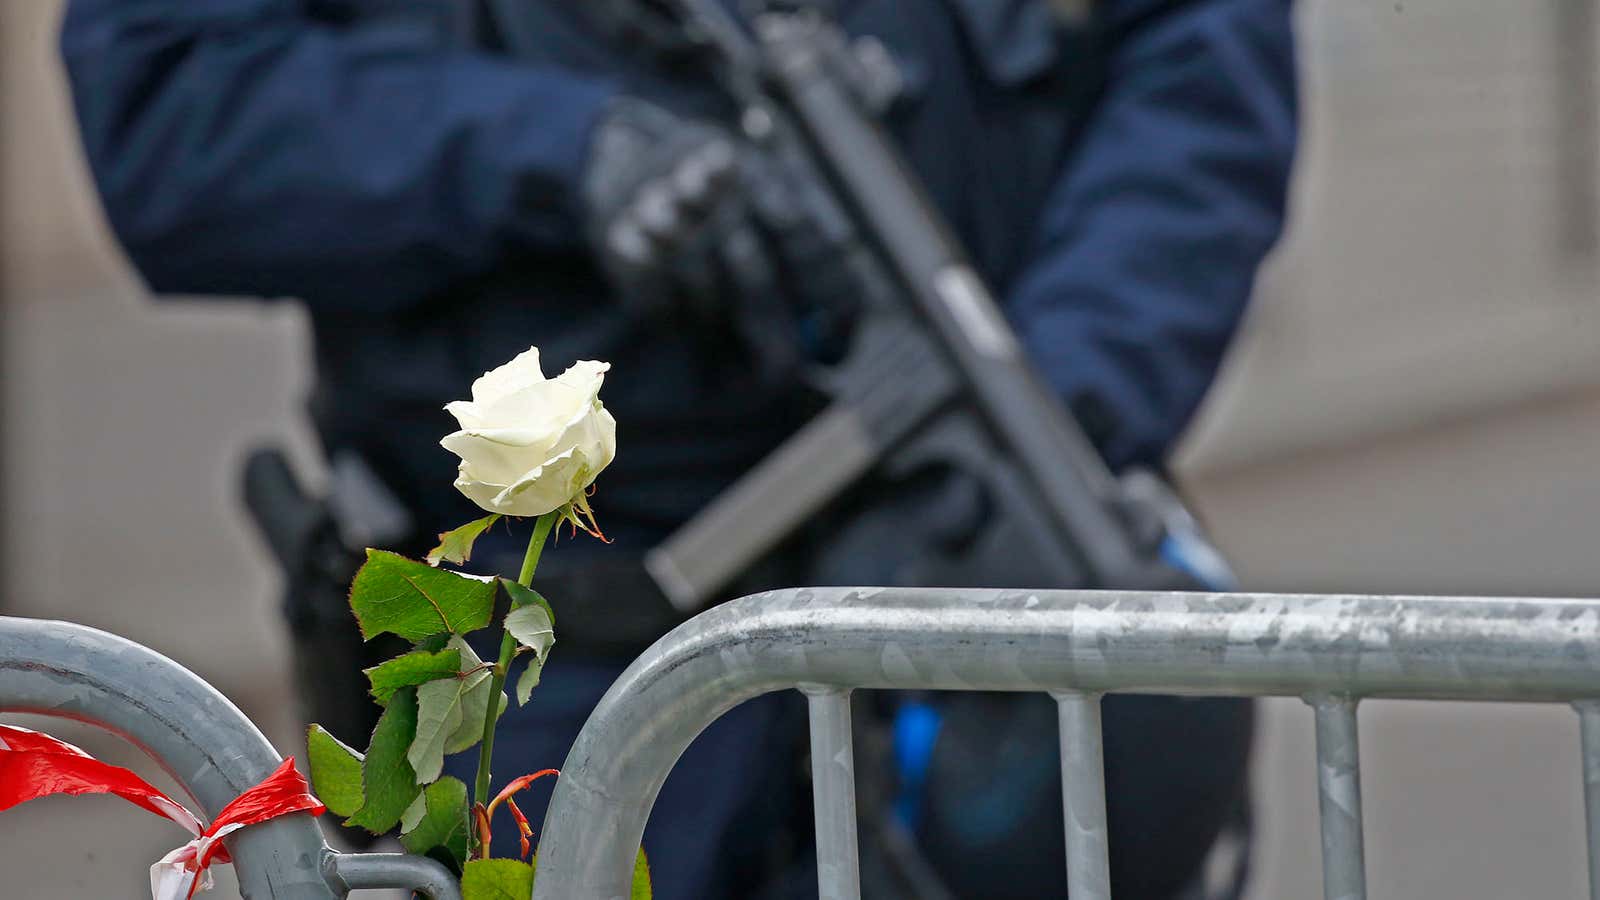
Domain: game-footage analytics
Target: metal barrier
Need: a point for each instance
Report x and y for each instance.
(204, 742)
(1330, 650)
(1077, 645)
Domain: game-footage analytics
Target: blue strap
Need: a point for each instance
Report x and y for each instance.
(916, 730)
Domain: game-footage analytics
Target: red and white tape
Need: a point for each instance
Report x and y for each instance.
(34, 764)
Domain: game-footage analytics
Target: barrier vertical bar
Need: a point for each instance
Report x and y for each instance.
(1339, 794)
(1589, 719)
(833, 784)
(1083, 794)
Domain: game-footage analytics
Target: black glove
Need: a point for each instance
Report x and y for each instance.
(686, 218)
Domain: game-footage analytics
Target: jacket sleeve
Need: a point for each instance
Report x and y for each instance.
(1148, 246)
(241, 147)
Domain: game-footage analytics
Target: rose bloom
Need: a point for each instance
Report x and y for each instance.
(530, 444)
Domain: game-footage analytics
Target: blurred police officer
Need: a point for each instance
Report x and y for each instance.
(439, 202)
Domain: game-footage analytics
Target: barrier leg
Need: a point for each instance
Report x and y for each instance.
(1589, 718)
(1083, 792)
(833, 780)
(1339, 794)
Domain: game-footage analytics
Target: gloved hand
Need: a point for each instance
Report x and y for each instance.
(688, 219)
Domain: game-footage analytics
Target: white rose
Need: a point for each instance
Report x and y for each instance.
(528, 444)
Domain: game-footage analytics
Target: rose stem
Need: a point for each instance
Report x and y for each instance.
(508, 649)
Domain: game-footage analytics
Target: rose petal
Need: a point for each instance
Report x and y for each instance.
(547, 487)
(500, 455)
(481, 492)
(544, 408)
(467, 413)
(585, 375)
(594, 435)
(496, 383)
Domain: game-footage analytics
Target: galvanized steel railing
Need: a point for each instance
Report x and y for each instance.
(1331, 650)
(204, 742)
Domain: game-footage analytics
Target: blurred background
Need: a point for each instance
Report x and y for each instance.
(1413, 408)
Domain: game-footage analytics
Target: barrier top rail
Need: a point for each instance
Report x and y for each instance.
(1331, 650)
(203, 741)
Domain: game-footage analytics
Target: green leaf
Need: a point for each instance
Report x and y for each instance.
(474, 702)
(415, 600)
(456, 546)
(532, 628)
(521, 595)
(497, 879)
(433, 643)
(438, 717)
(474, 706)
(532, 622)
(529, 679)
(450, 713)
(641, 878)
(335, 772)
(410, 670)
(447, 859)
(388, 781)
(412, 817)
(438, 818)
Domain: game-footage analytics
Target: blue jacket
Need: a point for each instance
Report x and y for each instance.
(1118, 179)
